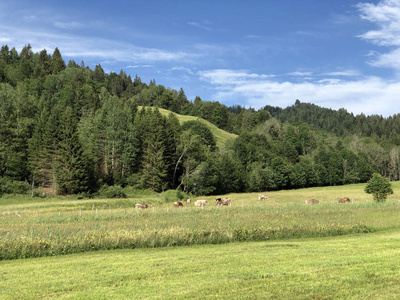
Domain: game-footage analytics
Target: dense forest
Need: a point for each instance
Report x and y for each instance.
(74, 130)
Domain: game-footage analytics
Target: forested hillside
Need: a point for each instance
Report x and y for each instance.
(73, 130)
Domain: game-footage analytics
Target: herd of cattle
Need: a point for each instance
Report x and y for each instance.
(228, 201)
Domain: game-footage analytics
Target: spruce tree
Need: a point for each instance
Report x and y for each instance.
(71, 170)
(57, 63)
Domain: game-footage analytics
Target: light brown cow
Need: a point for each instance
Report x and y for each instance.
(178, 204)
(142, 206)
(343, 200)
(312, 201)
(199, 203)
(188, 201)
(263, 197)
(223, 201)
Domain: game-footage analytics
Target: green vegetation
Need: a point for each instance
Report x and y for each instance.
(221, 136)
(348, 267)
(68, 129)
(63, 226)
(294, 256)
(379, 187)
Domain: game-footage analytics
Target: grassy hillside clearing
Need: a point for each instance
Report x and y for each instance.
(221, 136)
(350, 267)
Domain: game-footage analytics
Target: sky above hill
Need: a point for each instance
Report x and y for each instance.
(334, 53)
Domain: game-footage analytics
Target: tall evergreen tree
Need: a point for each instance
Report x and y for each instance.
(71, 170)
(57, 63)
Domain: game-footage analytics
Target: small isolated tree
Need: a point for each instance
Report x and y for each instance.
(379, 187)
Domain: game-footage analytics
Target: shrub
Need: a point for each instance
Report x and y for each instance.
(379, 187)
(8, 186)
(114, 191)
(173, 195)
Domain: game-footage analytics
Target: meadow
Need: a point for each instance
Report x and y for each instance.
(279, 248)
(345, 267)
(35, 227)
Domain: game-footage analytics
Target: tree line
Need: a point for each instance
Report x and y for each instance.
(75, 130)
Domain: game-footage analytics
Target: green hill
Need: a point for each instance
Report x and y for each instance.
(220, 135)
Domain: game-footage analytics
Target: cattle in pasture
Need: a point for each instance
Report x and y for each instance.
(263, 197)
(199, 203)
(178, 204)
(343, 200)
(142, 206)
(312, 201)
(188, 201)
(223, 201)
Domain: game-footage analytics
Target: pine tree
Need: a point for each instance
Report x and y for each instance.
(71, 171)
(57, 63)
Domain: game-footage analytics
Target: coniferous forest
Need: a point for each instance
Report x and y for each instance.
(74, 130)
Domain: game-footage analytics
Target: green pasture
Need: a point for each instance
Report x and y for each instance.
(347, 267)
(37, 227)
(280, 248)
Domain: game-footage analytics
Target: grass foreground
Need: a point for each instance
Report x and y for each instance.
(346, 267)
(278, 248)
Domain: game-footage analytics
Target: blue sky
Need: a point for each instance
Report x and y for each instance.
(334, 53)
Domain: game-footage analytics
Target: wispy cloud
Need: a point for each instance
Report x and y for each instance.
(386, 16)
(68, 25)
(5, 39)
(199, 25)
(343, 73)
(90, 47)
(183, 69)
(138, 66)
(231, 77)
(299, 73)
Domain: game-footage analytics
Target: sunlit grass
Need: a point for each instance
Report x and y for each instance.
(350, 267)
(54, 226)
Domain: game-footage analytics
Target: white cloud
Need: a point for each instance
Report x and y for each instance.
(88, 47)
(231, 77)
(369, 96)
(68, 25)
(183, 69)
(386, 16)
(138, 66)
(297, 73)
(198, 25)
(343, 73)
(5, 40)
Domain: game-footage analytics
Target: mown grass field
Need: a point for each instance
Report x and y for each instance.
(323, 251)
(347, 267)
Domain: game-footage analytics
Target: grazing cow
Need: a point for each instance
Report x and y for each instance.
(263, 197)
(312, 201)
(222, 201)
(188, 201)
(343, 200)
(178, 204)
(199, 203)
(142, 206)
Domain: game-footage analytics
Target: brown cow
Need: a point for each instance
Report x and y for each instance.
(199, 203)
(312, 201)
(263, 197)
(142, 206)
(222, 201)
(178, 204)
(343, 200)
